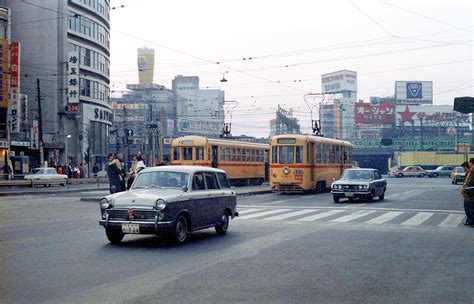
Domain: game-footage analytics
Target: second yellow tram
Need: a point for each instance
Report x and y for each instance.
(302, 163)
(245, 163)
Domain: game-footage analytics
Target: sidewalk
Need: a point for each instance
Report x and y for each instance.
(241, 191)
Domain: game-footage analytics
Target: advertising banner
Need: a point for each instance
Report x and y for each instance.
(34, 135)
(415, 115)
(339, 81)
(414, 92)
(14, 65)
(4, 73)
(365, 113)
(15, 111)
(73, 78)
(198, 126)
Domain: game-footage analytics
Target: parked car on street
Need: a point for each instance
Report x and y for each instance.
(411, 171)
(359, 184)
(440, 171)
(172, 200)
(100, 174)
(457, 175)
(393, 170)
(47, 175)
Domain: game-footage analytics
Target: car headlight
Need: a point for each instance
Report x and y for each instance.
(362, 187)
(160, 204)
(105, 203)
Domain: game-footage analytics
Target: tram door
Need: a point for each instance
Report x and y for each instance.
(214, 163)
(311, 156)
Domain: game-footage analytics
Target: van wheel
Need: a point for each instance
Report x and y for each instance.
(180, 231)
(221, 229)
(115, 237)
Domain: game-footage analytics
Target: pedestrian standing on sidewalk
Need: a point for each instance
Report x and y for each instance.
(132, 172)
(469, 195)
(114, 172)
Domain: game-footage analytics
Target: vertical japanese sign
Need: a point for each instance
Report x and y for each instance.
(15, 106)
(34, 135)
(4, 73)
(73, 78)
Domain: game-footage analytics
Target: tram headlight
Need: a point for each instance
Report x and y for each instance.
(285, 170)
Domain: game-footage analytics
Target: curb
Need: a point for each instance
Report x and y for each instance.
(95, 199)
(49, 192)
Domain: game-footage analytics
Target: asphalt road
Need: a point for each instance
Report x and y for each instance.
(409, 248)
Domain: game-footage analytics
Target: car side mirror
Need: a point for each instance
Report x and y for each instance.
(185, 188)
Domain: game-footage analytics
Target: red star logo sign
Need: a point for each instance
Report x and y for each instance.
(407, 116)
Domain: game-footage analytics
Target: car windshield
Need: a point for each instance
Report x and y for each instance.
(459, 170)
(356, 174)
(40, 171)
(161, 179)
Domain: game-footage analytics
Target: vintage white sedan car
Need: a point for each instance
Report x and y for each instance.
(47, 175)
(171, 200)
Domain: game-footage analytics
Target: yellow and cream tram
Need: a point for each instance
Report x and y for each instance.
(245, 163)
(301, 163)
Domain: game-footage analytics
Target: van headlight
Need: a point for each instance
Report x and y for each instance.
(105, 203)
(160, 204)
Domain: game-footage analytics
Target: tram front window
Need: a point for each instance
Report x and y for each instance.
(286, 155)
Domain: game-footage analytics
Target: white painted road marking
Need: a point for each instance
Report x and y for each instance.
(320, 215)
(353, 216)
(291, 214)
(453, 220)
(418, 219)
(384, 217)
(258, 214)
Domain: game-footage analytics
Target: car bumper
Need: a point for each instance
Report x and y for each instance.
(148, 227)
(356, 194)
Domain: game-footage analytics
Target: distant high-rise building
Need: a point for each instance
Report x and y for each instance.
(198, 112)
(146, 65)
(343, 85)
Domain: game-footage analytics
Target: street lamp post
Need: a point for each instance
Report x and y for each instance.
(65, 146)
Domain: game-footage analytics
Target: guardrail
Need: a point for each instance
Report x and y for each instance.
(33, 183)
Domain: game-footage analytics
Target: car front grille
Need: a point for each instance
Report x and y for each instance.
(138, 215)
(350, 187)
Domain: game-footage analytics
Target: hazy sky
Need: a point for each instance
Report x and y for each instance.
(291, 44)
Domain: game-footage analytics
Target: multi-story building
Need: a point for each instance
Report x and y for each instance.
(198, 112)
(148, 111)
(65, 55)
(342, 85)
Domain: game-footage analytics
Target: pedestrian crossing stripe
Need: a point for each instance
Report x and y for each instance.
(344, 215)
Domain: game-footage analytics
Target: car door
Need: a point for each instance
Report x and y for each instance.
(379, 184)
(213, 202)
(199, 195)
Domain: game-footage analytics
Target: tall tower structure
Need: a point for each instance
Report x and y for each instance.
(146, 65)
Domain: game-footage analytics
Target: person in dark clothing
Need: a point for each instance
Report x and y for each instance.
(114, 172)
(468, 197)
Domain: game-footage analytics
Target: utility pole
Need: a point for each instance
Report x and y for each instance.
(125, 138)
(161, 137)
(40, 123)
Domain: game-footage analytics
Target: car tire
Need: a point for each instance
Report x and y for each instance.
(453, 182)
(335, 199)
(180, 229)
(400, 175)
(114, 236)
(370, 197)
(421, 175)
(382, 197)
(222, 228)
(435, 174)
